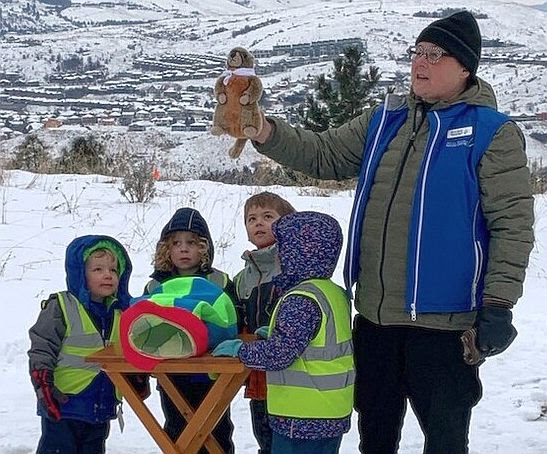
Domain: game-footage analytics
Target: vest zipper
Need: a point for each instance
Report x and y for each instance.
(415, 128)
(413, 311)
(257, 313)
(427, 157)
(478, 260)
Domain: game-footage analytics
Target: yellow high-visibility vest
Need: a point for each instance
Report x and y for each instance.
(73, 374)
(318, 384)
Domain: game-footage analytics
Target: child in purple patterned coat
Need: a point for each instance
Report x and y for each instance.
(309, 245)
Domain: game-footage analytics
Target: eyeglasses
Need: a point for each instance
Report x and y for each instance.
(431, 54)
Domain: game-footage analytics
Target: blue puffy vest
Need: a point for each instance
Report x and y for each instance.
(448, 238)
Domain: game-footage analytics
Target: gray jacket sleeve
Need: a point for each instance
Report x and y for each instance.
(46, 336)
(508, 206)
(331, 155)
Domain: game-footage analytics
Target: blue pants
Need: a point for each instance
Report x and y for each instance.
(70, 436)
(261, 426)
(286, 445)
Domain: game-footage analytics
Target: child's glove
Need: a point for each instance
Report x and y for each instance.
(48, 395)
(228, 348)
(141, 383)
(263, 332)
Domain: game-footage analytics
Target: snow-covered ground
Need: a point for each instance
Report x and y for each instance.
(41, 214)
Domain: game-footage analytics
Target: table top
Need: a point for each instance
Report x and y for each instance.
(111, 358)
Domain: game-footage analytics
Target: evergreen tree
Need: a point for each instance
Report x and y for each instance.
(85, 155)
(343, 98)
(313, 115)
(32, 155)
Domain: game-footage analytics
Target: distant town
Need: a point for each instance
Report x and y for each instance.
(152, 93)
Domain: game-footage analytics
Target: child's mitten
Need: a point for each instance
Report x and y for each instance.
(48, 395)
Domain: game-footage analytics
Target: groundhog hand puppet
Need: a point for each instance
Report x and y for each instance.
(237, 92)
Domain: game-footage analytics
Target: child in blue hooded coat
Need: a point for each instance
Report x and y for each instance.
(76, 400)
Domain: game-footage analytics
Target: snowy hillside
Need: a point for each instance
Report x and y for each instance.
(40, 215)
(212, 27)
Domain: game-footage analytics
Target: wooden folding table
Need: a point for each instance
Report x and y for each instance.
(201, 421)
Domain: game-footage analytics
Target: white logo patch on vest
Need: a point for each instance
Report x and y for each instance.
(460, 132)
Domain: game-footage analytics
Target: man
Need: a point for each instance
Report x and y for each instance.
(440, 234)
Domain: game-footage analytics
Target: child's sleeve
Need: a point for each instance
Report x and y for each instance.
(150, 286)
(231, 290)
(46, 336)
(296, 324)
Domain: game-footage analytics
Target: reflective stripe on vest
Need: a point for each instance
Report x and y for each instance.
(73, 374)
(319, 384)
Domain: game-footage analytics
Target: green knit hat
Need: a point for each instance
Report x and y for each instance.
(112, 247)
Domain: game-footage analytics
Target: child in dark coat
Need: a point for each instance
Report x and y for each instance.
(257, 294)
(186, 248)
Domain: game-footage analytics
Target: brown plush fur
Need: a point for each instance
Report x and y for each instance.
(237, 112)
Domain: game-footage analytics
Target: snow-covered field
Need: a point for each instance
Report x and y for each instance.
(41, 214)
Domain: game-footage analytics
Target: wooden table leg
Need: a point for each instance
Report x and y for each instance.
(143, 413)
(186, 410)
(210, 411)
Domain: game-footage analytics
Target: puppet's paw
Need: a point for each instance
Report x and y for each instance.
(250, 131)
(217, 131)
(221, 98)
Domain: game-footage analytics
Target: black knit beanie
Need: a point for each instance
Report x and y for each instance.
(189, 220)
(459, 35)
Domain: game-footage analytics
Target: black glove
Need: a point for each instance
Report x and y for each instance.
(494, 329)
(48, 395)
(141, 384)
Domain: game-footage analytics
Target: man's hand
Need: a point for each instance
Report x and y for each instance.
(492, 334)
(228, 348)
(495, 332)
(48, 395)
(141, 384)
(265, 132)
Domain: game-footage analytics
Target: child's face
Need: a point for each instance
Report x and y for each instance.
(185, 252)
(259, 226)
(101, 274)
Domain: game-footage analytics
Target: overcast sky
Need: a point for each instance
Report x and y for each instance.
(527, 2)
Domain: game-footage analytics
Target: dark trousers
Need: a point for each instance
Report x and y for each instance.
(70, 436)
(194, 391)
(286, 445)
(261, 426)
(426, 367)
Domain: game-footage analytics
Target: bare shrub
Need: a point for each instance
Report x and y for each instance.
(538, 176)
(263, 174)
(139, 184)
